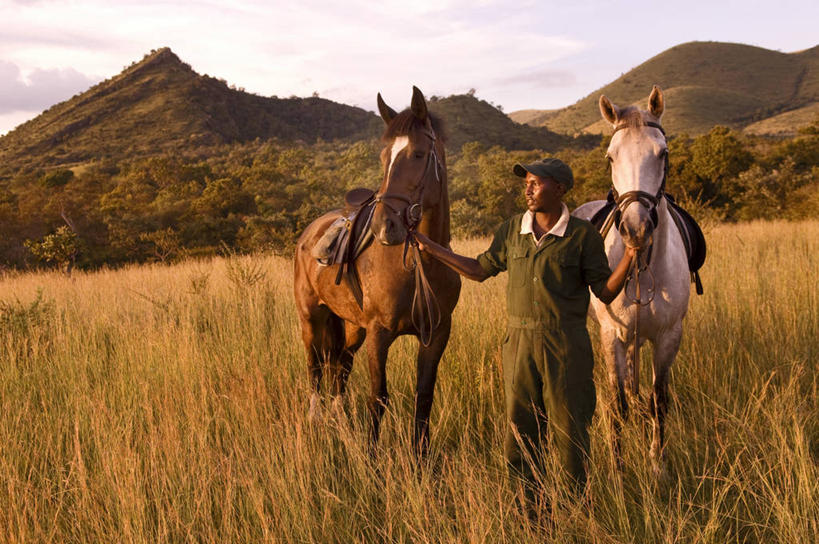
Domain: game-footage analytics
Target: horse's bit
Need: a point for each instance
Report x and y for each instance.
(425, 308)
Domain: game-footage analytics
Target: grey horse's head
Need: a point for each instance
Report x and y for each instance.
(638, 155)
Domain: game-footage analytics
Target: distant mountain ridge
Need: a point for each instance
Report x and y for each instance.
(160, 104)
(705, 83)
(470, 119)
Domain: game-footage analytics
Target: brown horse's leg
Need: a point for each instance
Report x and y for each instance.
(615, 357)
(378, 346)
(343, 365)
(665, 350)
(317, 345)
(427, 368)
(353, 338)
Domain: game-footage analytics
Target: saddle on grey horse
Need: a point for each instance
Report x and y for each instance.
(692, 236)
(347, 237)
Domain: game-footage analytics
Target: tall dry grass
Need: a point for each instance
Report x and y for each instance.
(168, 404)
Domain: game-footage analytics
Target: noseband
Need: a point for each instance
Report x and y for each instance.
(412, 213)
(647, 200)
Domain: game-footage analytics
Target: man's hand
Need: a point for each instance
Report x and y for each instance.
(423, 241)
(615, 282)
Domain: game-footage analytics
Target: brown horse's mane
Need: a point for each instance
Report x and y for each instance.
(406, 121)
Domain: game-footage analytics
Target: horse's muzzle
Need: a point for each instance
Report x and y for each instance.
(636, 227)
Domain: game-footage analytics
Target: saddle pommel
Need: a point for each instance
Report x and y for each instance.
(356, 198)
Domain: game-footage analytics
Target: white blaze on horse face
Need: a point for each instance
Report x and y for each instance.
(397, 146)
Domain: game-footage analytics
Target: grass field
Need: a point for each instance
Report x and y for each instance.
(168, 404)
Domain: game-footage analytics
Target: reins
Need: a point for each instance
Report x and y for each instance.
(634, 272)
(426, 312)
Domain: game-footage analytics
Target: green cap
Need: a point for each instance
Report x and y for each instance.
(548, 168)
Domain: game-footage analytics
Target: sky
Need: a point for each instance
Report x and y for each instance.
(516, 54)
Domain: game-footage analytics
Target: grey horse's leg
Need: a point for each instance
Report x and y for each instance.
(615, 356)
(427, 368)
(665, 351)
(378, 346)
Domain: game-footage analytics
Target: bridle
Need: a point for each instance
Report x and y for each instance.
(426, 312)
(647, 200)
(413, 211)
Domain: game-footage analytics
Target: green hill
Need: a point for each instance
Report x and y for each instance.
(470, 119)
(160, 104)
(786, 123)
(706, 83)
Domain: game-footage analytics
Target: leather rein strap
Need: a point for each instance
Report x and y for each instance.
(426, 312)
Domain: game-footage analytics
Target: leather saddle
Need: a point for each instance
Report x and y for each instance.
(692, 236)
(347, 237)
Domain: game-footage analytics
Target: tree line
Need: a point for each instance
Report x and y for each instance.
(259, 196)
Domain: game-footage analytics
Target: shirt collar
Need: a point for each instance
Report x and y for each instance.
(559, 228)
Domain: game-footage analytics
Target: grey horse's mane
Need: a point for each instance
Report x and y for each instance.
(631, 116)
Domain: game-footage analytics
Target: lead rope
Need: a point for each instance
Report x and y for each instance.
(634, 272)
(425, 308)
(635, 361)
(426, 312)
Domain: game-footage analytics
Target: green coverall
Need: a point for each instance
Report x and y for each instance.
(547, 354)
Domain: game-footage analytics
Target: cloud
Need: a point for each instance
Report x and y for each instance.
(546, 78)
(350, 54)
(40, 89)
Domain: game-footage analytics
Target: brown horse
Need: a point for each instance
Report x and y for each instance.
(412, 196)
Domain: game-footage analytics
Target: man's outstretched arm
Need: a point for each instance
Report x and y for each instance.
(465, 266)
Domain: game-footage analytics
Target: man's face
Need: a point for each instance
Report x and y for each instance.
(542, 194)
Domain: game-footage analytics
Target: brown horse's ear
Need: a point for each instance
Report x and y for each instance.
(387, 113)
(656, 102)
(608, 110)
(419, 104)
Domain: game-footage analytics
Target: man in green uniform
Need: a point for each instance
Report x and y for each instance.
(552, 259)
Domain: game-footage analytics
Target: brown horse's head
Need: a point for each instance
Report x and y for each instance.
(414, 171)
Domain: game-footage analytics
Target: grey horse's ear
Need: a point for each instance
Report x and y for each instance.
(656, 102)
(419, 104)
(387, 113)
(608, 110)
